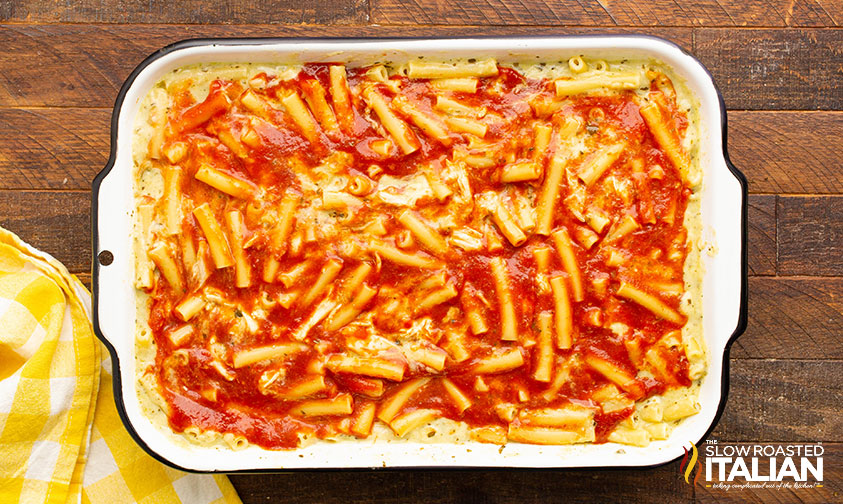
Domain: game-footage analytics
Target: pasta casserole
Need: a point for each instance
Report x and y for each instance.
(462, 250)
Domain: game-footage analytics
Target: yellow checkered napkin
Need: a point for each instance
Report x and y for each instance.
(61, 439)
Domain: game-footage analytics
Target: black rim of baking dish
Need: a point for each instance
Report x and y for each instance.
(196, 42)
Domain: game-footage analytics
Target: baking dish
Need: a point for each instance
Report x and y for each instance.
(724, 283)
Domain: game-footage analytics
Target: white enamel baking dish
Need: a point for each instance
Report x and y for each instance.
(724, 224)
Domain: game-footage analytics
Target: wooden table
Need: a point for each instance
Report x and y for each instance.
(779, 64)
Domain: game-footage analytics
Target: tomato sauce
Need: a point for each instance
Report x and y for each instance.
(245, 405)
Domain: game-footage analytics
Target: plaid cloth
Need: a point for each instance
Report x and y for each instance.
(61, 439)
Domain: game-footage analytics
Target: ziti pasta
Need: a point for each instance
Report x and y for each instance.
(501, 253)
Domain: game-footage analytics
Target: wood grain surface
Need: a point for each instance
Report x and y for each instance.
(810, 235)
(778, 64)
(610, 13)
(186, 11)
(761, 234)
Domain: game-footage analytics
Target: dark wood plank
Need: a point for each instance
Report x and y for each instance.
(186, 11)
(788, 152)
(783, 400)
(85, 65)
(661, 485)
(831, 490)
(52, 148)
(814, 13)
(781, 152)
(56, 222)
(792, 318)
(774, 69)
(810, 235)
(617, 13)
(761, 234)
(529, 12)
